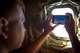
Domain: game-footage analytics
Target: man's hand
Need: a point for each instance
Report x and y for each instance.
(69, 23)
(47, 26)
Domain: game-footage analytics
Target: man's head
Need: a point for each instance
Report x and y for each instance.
(11, 24)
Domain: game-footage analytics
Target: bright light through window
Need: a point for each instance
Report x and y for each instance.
(62, 11)
(60, 30)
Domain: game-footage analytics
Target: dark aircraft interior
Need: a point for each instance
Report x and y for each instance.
(36, 12)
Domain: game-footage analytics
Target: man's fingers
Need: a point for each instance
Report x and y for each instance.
(71, 18)
(48, 19)
(55, 26)
(66, 21)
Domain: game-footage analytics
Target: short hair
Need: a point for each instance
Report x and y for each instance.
(6, 5)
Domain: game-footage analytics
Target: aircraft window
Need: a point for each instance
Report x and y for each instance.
(60, 31)
(59, 38)
(62, 11)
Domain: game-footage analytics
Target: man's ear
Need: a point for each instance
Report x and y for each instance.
(3, 26)
(3, 21)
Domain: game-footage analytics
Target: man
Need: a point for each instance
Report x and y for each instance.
(12, 29)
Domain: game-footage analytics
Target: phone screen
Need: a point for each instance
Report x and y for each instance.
(58, 19)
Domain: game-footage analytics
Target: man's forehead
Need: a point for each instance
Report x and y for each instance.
(15, 13)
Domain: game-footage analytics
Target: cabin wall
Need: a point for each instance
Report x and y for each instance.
(34, 22)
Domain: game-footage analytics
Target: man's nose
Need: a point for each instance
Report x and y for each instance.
(25, 29)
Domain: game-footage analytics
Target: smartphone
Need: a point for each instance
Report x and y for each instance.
(58, 19)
